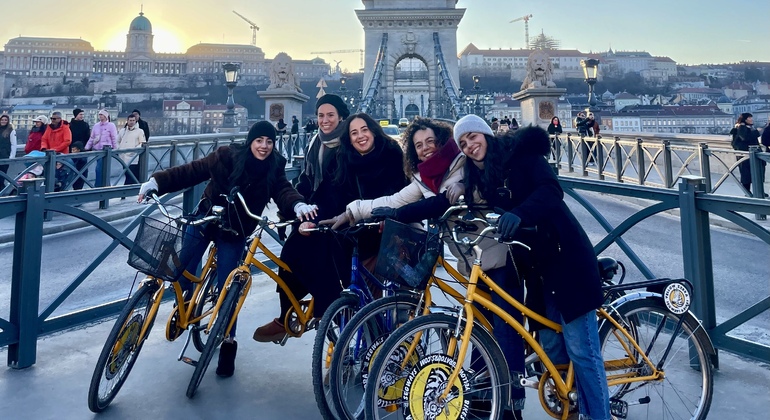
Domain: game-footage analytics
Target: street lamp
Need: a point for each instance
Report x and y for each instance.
(590, 70)
(476, 91)
(343, 81)
(231, 79)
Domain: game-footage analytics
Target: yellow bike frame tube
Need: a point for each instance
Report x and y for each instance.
(655, 374)
(153, 310)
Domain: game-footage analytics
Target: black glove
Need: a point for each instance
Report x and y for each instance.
(507, 225)
(384, 213)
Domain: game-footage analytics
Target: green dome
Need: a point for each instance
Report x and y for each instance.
(140, 23)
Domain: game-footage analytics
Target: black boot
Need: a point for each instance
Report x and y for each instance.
(512, 415)
(226, 366)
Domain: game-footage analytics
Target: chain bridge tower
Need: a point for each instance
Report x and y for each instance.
(411, 65)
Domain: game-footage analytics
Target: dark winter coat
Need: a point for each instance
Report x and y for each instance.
(217, 168)
(766, 136)
(744, 136)
(81, 131)
(307, 179)
(35, 138)
(562, 253)
(554, 129)
(582, 124)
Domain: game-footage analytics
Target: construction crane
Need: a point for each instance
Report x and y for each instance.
(360, 51)
(253, 26)
(526, 19)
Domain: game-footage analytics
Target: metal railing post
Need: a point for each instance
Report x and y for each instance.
(668, 170)
(50, 178)
(25, 276)
(570, 153)
(705, 165)
(640, 170)
(618, 160)
(196, 150)
(172, 155)
(696, 250)
(557, 150)
(757, 177)
(599, 157)
(144, 163)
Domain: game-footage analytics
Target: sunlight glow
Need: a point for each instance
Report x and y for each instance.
(164, 41)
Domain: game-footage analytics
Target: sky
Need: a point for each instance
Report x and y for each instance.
(688, 31)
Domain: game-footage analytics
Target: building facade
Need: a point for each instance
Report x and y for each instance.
(668, 119)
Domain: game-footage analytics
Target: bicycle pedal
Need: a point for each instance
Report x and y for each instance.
(189, 361)
(618, 408)
(282, 341)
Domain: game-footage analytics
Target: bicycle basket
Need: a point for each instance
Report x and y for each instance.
(407, 255)
(157, 249)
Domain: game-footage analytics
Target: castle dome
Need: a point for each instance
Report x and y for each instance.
(140, 23)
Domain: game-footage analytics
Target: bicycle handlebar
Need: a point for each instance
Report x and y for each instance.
(351, 230)
(216, 211)
(264, 221)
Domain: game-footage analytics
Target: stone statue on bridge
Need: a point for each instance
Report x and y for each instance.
(539, 71)
(282, 74)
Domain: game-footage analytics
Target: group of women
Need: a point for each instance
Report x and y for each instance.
(353, 171)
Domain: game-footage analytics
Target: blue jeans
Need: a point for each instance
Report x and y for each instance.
(229, 254)
(579, 342)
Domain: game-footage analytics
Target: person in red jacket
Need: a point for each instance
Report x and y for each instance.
(58, 136)
(35, 136)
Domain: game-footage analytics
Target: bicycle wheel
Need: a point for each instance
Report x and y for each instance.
(121, 348)
(217, 334)
(480, 391)
(357, 346)
(207, 299)
(334, 320)
(685, 389)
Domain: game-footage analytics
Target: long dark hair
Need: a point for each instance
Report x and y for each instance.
(8, 127)
(245, 165)
(441, 130)
(346, 153)
(490, 178)
(743, 117)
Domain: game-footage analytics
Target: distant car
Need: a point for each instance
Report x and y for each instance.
(392, 131)
(403, 122)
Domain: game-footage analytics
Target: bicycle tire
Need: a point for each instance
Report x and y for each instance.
(111, 366)
(482, 391)
(369, 325)
(216, 335)
(207, 299)
(338, 314)
(688, 377)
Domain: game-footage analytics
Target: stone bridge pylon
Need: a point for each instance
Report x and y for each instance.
(411, 58)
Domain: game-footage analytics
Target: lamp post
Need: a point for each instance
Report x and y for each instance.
(476, 91)
(229, 123)
(590, 70)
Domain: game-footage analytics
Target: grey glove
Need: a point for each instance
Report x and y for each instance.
(305, 211)
(150, 185)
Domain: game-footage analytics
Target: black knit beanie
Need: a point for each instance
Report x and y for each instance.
(259, 129)
(334, 101)
(76, 112)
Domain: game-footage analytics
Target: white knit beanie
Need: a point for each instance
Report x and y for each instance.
(471, 124)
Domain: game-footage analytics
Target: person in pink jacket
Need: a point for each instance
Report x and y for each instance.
(103, 134)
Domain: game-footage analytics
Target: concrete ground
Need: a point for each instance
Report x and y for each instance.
(271, 382)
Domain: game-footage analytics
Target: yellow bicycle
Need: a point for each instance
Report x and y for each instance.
(444, 365)
(156, 252)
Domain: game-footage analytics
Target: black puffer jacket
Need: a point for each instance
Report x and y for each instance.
(563, 255)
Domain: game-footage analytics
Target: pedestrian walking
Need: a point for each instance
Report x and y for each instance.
(131, 137)
(35, 137)
(80, 129)
(103, 134)
(141, 123)
(57, 136)
(7, 142)
(744, 135)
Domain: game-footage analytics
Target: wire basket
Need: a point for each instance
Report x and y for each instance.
(407, 254)
(157, 249)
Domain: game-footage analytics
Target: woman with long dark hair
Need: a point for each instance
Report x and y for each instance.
(7, 141)
(511, 172)
(744, 135)
(260, 175)
(368, 165)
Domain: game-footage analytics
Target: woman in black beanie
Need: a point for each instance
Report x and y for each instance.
(260, 175)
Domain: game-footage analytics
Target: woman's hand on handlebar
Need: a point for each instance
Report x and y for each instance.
(149, 186)
(340, 221)
(304, 226)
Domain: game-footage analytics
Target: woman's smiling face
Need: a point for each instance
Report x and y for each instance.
(474, 145)
(424, 143)
(361, 137)
(261, 147)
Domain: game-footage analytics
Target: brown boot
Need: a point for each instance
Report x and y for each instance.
(272, 331)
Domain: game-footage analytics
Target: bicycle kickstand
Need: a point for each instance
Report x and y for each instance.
(184, 358)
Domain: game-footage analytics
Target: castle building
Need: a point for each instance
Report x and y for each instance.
(77, 58)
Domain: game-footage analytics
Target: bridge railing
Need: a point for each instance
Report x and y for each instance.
(660, 162)
(28, 319)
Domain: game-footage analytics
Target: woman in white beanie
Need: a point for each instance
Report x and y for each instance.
(511, 173)
(103, 134)
(35, 137)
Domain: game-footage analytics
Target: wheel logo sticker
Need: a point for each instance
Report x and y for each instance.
(425, 385)
(677, 298)
(392, 381)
